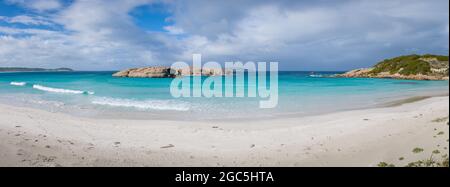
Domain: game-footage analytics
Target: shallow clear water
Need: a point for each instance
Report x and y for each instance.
(98, 94)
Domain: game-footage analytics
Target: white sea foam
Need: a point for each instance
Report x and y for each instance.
(59, 90)
(142, 105)
(18, 83)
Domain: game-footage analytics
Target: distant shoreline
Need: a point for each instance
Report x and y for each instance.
(22, 69)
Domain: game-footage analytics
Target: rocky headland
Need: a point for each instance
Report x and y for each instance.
(413, 67)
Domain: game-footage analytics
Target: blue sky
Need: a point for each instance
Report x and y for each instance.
(299, 34)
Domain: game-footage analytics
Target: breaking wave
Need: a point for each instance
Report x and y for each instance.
(59, 90)
(142, 105)
(18, 83)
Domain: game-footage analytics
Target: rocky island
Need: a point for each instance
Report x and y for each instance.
(148, 72)
(167, 72)
(414, 67)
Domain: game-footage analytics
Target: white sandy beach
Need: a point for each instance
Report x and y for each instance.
(30, 137)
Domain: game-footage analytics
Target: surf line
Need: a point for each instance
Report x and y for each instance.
(18, 83)
(257, 84)
(59, 90)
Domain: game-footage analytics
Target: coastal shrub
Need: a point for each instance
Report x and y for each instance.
(430, 163)
(445, 162)
(423, 163)
(442, 58)
(405, 65)
(438, 57)
(417, 150)
(415, 67)
(438, 120)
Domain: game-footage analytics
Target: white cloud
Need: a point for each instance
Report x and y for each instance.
(39, 5)
(27, 20)
(174, 30)
(43, 48)
(28, 31)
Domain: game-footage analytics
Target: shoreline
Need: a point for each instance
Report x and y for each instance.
(129, 115)
(413, 78)
(411, 99)
(366, 137)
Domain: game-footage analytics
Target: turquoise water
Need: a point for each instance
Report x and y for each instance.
(98, 94)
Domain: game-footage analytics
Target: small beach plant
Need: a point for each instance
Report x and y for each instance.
(384, 165)
(417, 150)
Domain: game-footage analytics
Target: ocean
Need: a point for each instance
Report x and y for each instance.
(99, 95)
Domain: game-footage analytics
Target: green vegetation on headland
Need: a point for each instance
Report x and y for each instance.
(412, 64)
(20, 69)
(404, 65)
(419, 67)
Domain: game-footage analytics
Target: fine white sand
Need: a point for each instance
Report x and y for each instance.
(30, 137)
